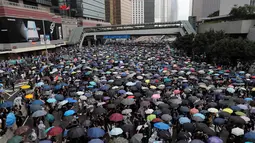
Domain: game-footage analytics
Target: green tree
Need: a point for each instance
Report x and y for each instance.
(216, 13)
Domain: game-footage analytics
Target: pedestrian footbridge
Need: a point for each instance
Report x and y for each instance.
(168, 28)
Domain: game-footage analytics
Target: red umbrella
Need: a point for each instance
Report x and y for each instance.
(156, 120)
(116, 117)
(55, 131)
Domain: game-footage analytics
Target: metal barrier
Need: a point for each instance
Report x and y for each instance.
(14, 4)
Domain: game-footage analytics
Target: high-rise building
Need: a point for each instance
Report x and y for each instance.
(137, 11)
(166, 10)
(227, 5)
(118, 12)
(203, 8)
(149, 8)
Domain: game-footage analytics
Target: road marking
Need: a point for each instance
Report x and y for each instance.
(25, 121)
(13, 94)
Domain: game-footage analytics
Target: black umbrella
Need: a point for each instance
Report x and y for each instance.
(166, 111)
(184, 109)
(145, 103)
(137, 94)
(212, 104)
(236, 120)
(163, 105)
(163, 134)
(76, 132)
(99, 111)
(87, 123)
(111, 106)
(189, 127)
(183, 136)
(128, 128)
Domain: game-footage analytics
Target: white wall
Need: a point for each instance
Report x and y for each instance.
(227, 5)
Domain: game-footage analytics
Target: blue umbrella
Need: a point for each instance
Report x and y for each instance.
(161, 126)
(69, 113)
(6, 104)
(96, 141)
(50, 118)
(93, 83)
(90, 86)
(37, 102)
(95, 132)
(235, 108)
(219, 121)
(105, 87)
(250, 136)
(63, 84)
(183, 120)
(58, 87)
(46, 87)
(59, 97)
(10, 120)
(39, 84)
(51, 100)
(71, 100)
(248, 99)
(121, 91)
(200, 115)
(35, 107)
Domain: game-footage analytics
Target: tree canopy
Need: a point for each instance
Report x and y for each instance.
(216, 47)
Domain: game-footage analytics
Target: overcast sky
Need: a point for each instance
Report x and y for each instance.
(183, 9)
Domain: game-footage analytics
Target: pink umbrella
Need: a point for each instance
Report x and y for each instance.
(192, 70)
(155, 96)
(177, 91)
(193, 111)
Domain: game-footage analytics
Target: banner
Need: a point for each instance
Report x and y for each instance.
(17, 30)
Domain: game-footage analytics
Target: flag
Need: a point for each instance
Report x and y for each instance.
(64, 7)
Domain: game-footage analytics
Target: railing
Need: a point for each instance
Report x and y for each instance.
(14, 4)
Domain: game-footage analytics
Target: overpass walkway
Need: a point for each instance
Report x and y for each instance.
(167, 28)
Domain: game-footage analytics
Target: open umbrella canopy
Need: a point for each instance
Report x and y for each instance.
(161, 126)
(10, 119)
(39, 113)
(116, 117)
(76, 132)
(15, 139)
(69, 113)
(95, 132)
(25, 87)
(6, 104)
(54, 131)
(116, 131)
(37, 102)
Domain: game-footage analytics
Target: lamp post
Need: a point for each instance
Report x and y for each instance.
(46, 48)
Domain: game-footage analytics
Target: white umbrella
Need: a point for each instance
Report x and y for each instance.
(116, 131)
(213, 110)
(80, 93)
(126, 111)
(62, 102)
(149, 111)
(83, 97)
(237, 131)
(100, 103)
(129, 93)
(246, 119)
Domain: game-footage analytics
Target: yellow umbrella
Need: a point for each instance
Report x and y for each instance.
(253, 89)
(153, 87)
(228, 110)
(147, 81)
(29, 96)
(73, 72)
(151, 117)
(25, 87)
(239, 113)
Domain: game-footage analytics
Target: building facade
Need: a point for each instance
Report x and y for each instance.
(166, 10)
(118, 12)
(137, 11)
(227, 5)
(203, 8)
(149, 11)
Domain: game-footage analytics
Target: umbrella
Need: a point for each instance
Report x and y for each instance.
(149, 111)
(219, 121)
(189, 127)
(166, 117)
(199, 115)
(96, 141)
(29, 96)
(10, 119)
(155, 96)
(249, 135)
(228, 110)
(116, 131)
(50, 118)
(63, 102)
(214, 139)
(39, 113)
(6, 104)
(128, 101)
(161, 126)
(213, 110)
(34, 108)
(22, 130)
(25, 87)
(164, 134)
(59, 97)
(95, 132)
(55, 131)
(196, 141)
(237, 131)
(46, 87)
(120, 140)
(137, 138)
(76, 132)
(15, 139)
(128, 128)
(37, 102)
(183, 120)
(71, 100)
(126, 111)
(39, 84)
(231, 90)
(51, 100)
(151, 117)
(116, 117)
(69, 113)
(83, 98)
(99, 111)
